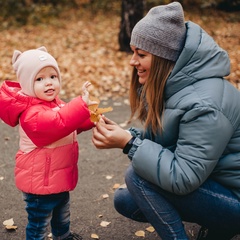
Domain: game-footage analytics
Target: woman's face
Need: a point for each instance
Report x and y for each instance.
(46, 85)
(141, 60)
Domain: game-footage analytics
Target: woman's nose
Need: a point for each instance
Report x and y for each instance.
(133, 62)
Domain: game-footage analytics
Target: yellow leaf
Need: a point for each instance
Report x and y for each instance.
(116, 186)
(93, 107)
(96, 112)
(109, 177)
(104, 110)
(140, 233)
(10, 227)
(150, 229)
(105, 195)
(104, 223)
(94, 236)
(8, 222)
(94, 117)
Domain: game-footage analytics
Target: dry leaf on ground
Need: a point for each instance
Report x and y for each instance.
(140, 233)
(116, 186)
(108, 177)
(9, 224)
(94, 236)
(104, 223)
(150, 229)
(89, 50)
(105, 196)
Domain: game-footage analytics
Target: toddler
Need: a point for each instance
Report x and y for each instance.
(47, 160)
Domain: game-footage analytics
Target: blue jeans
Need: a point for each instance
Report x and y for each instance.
(211, 205)
(45, 209)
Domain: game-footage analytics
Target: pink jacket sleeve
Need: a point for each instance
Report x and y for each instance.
(87, 125)
(44, 126)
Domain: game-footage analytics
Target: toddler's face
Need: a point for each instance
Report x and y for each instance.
(46, 84)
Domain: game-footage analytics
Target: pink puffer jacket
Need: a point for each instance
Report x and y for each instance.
(46, 162)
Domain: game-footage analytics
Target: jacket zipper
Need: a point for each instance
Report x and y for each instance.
(47, 170)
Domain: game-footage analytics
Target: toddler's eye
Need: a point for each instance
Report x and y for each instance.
(39, 79)
(54, 76)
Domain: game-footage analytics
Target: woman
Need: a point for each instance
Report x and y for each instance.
(185, 163)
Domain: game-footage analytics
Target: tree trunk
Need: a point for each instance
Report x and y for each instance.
(132, 12)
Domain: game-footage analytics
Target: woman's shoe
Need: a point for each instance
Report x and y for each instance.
(206, 234)
(202, 234)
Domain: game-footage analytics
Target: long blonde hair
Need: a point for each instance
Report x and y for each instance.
(147, 101)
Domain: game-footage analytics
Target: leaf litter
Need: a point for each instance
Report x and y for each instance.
(89, 50)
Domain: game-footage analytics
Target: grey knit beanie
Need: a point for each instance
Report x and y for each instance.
(161, 32)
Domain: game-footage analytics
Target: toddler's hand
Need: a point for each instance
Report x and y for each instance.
(85, 93)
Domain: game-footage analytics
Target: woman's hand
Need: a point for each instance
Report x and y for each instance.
(108, 134)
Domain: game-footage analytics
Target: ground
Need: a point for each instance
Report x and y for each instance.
(100, 172)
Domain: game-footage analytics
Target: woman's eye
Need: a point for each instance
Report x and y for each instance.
(141, 54)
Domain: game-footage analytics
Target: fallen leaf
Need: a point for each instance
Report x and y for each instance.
(109, 177)
(100, 41)
(150, 229)
(126, 101)
(94, 236)
(123, 186)
(11, 227)
(8, 222)
(116, 186)
(104, 223)
(105, 195)
(140, 233)
(117, 104)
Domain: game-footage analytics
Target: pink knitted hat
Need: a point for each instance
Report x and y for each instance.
(29, 63)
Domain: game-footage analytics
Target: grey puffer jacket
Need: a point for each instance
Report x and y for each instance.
(201, 136)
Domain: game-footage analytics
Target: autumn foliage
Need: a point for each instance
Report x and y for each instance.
(86, 47)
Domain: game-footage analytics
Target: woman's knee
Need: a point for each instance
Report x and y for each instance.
(120, 199)
(126, 205)
(130, 175)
